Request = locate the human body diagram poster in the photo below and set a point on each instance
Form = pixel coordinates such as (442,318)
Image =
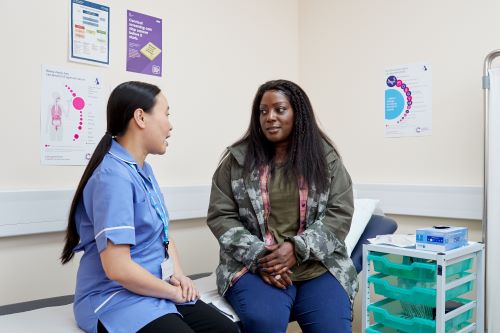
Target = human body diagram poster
(144,43)
(408,100)
(89,33)
(72,115)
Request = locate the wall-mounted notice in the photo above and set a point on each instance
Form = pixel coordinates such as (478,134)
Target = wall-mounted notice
(89,33)
(408,100)
(72,115)
(144,43)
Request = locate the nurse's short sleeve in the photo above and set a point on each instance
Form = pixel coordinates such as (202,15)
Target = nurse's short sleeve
(108,198)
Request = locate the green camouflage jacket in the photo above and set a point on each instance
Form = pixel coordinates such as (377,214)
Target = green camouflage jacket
(236,218)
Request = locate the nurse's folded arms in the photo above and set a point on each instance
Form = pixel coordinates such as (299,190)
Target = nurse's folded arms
(130,278)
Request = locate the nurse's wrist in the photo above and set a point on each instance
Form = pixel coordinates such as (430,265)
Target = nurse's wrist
(173,293)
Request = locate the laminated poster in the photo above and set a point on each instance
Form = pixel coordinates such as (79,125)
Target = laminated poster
(72,115)
(144,44)
(89,33)
(408,100)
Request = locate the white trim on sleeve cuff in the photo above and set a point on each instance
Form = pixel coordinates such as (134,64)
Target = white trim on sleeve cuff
(113,228)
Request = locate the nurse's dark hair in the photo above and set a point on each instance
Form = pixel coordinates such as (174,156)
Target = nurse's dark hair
(305,156)
(123,101)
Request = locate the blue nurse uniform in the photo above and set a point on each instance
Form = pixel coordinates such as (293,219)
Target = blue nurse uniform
(116,207)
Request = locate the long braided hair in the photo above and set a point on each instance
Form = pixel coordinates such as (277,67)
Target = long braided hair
(305,155)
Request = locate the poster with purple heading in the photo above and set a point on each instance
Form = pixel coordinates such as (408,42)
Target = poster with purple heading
(144,47)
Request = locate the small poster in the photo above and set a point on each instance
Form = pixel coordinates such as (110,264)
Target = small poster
(72,115)
(89,33)
(144,44)
(408,100)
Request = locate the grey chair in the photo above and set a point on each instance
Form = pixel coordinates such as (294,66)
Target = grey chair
(378,225)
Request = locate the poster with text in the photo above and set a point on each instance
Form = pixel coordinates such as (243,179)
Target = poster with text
(89,33)
(408,100)
(72,115)
(144,44)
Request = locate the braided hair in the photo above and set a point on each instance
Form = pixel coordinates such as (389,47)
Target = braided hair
(305,155)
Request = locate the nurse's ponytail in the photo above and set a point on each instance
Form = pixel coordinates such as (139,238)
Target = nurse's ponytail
(72,238)
(123,101)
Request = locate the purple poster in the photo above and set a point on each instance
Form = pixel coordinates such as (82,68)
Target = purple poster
(143,43)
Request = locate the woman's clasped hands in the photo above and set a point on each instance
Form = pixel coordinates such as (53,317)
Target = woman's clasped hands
(274,267)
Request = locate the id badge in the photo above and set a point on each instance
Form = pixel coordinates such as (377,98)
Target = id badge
(167,269)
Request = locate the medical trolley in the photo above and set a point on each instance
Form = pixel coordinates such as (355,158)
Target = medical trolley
(417,291)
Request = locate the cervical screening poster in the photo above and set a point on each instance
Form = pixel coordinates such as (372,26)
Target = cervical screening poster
(144,47)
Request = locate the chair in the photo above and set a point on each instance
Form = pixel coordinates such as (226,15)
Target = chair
(378,225)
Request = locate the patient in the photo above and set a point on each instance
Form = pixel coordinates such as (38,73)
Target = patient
(281,206)
(130,278)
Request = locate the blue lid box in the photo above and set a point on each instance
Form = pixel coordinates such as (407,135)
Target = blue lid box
(441,238)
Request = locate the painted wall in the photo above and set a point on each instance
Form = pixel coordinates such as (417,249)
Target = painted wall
(345,47)
(216,53)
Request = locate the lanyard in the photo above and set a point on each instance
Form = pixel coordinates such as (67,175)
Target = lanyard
(157,205)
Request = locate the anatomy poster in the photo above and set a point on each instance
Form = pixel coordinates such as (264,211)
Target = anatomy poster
(144,46)
(72,115)
(408,100)
(89,33)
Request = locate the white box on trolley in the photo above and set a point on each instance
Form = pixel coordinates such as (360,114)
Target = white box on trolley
(441,238)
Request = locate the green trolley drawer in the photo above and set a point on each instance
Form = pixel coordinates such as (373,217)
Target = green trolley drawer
(413,268)
(390,313)
(379,328)
(416,292)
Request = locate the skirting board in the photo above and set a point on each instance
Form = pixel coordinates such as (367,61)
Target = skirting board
(31,212)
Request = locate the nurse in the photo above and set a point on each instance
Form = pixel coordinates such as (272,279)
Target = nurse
(130,278)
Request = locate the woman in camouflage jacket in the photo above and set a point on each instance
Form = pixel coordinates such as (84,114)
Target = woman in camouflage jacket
(290,260)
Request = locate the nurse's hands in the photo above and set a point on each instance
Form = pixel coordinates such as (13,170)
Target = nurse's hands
(176,295)
(188,289)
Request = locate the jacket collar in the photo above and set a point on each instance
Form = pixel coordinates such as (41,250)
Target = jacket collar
(239,152)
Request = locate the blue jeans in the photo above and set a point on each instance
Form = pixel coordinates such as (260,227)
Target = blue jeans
(319,305)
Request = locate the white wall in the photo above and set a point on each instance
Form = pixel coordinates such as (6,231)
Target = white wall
(215,54)
(344,47)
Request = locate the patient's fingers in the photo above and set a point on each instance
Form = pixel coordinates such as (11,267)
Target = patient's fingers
(285,277)
(277,282)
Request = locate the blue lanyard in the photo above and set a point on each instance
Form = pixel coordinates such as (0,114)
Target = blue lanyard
(157,205)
